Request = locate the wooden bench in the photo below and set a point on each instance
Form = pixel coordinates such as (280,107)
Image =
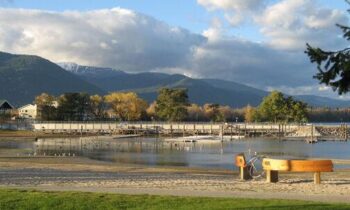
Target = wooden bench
(241,163)
(273,166)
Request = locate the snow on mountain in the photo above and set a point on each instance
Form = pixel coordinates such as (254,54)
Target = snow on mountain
(90,71)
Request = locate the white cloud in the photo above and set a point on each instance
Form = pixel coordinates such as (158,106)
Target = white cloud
(131,41)
(112,37)
(324,88)
(216,30)
(231,4)
(315,89)
(251,63)
(289,24)
(236,11)
(298,90)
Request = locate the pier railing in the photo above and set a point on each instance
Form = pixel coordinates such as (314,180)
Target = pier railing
(193,128)
(244,129)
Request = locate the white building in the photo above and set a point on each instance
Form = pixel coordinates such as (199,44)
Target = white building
(28,111)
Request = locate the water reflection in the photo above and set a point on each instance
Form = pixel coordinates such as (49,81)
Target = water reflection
(150,151)
(153,151)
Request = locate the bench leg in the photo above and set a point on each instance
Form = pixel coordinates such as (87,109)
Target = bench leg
(272,176)
(244,173)
(317,177)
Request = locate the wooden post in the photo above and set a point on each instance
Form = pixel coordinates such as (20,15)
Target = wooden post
(171,130)
(244,173)
(279,130)
(271,176)
(345,132)
(317,178)
(222,132)
(282,130)
(312,133)
(241,173)
(184,131)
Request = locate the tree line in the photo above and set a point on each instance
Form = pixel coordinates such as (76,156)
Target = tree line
(170,105)
(278,108)
(327,114)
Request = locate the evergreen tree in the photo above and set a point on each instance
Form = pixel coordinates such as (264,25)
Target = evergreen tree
(333,66)
(277,108)
(172,104)
(273,107)
(74,107)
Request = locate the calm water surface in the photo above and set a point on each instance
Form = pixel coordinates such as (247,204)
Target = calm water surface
(153,151)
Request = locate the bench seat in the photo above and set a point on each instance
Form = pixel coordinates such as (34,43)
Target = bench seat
(273,166)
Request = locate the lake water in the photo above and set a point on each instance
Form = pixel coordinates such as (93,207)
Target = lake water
(154,151)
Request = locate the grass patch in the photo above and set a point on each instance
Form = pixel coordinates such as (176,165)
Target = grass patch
(29,199)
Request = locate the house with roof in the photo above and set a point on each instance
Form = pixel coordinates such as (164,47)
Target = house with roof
(6,107)
(28,111)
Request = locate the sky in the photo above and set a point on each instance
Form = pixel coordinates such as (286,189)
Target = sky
(256,42)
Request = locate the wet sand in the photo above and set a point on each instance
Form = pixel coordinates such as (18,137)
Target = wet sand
(81,174)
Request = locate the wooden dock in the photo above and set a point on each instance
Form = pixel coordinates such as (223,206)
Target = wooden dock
(166,128)
(308,131)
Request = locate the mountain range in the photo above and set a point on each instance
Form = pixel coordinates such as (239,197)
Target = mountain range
(200,91)
(22,77)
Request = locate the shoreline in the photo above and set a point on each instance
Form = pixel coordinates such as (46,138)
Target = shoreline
(34,135)
(87,175)
(82,174)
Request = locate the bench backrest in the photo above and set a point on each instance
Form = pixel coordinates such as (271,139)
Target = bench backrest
(240,160)
(275,165)
(298,165)
(311,165)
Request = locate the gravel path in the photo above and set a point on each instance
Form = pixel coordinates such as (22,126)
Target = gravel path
(78,174)
(291,186)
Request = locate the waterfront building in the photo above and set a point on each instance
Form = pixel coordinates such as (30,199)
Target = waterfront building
(6,107)
(28,111)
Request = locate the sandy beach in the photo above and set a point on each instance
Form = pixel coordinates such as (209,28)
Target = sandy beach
(80,174)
